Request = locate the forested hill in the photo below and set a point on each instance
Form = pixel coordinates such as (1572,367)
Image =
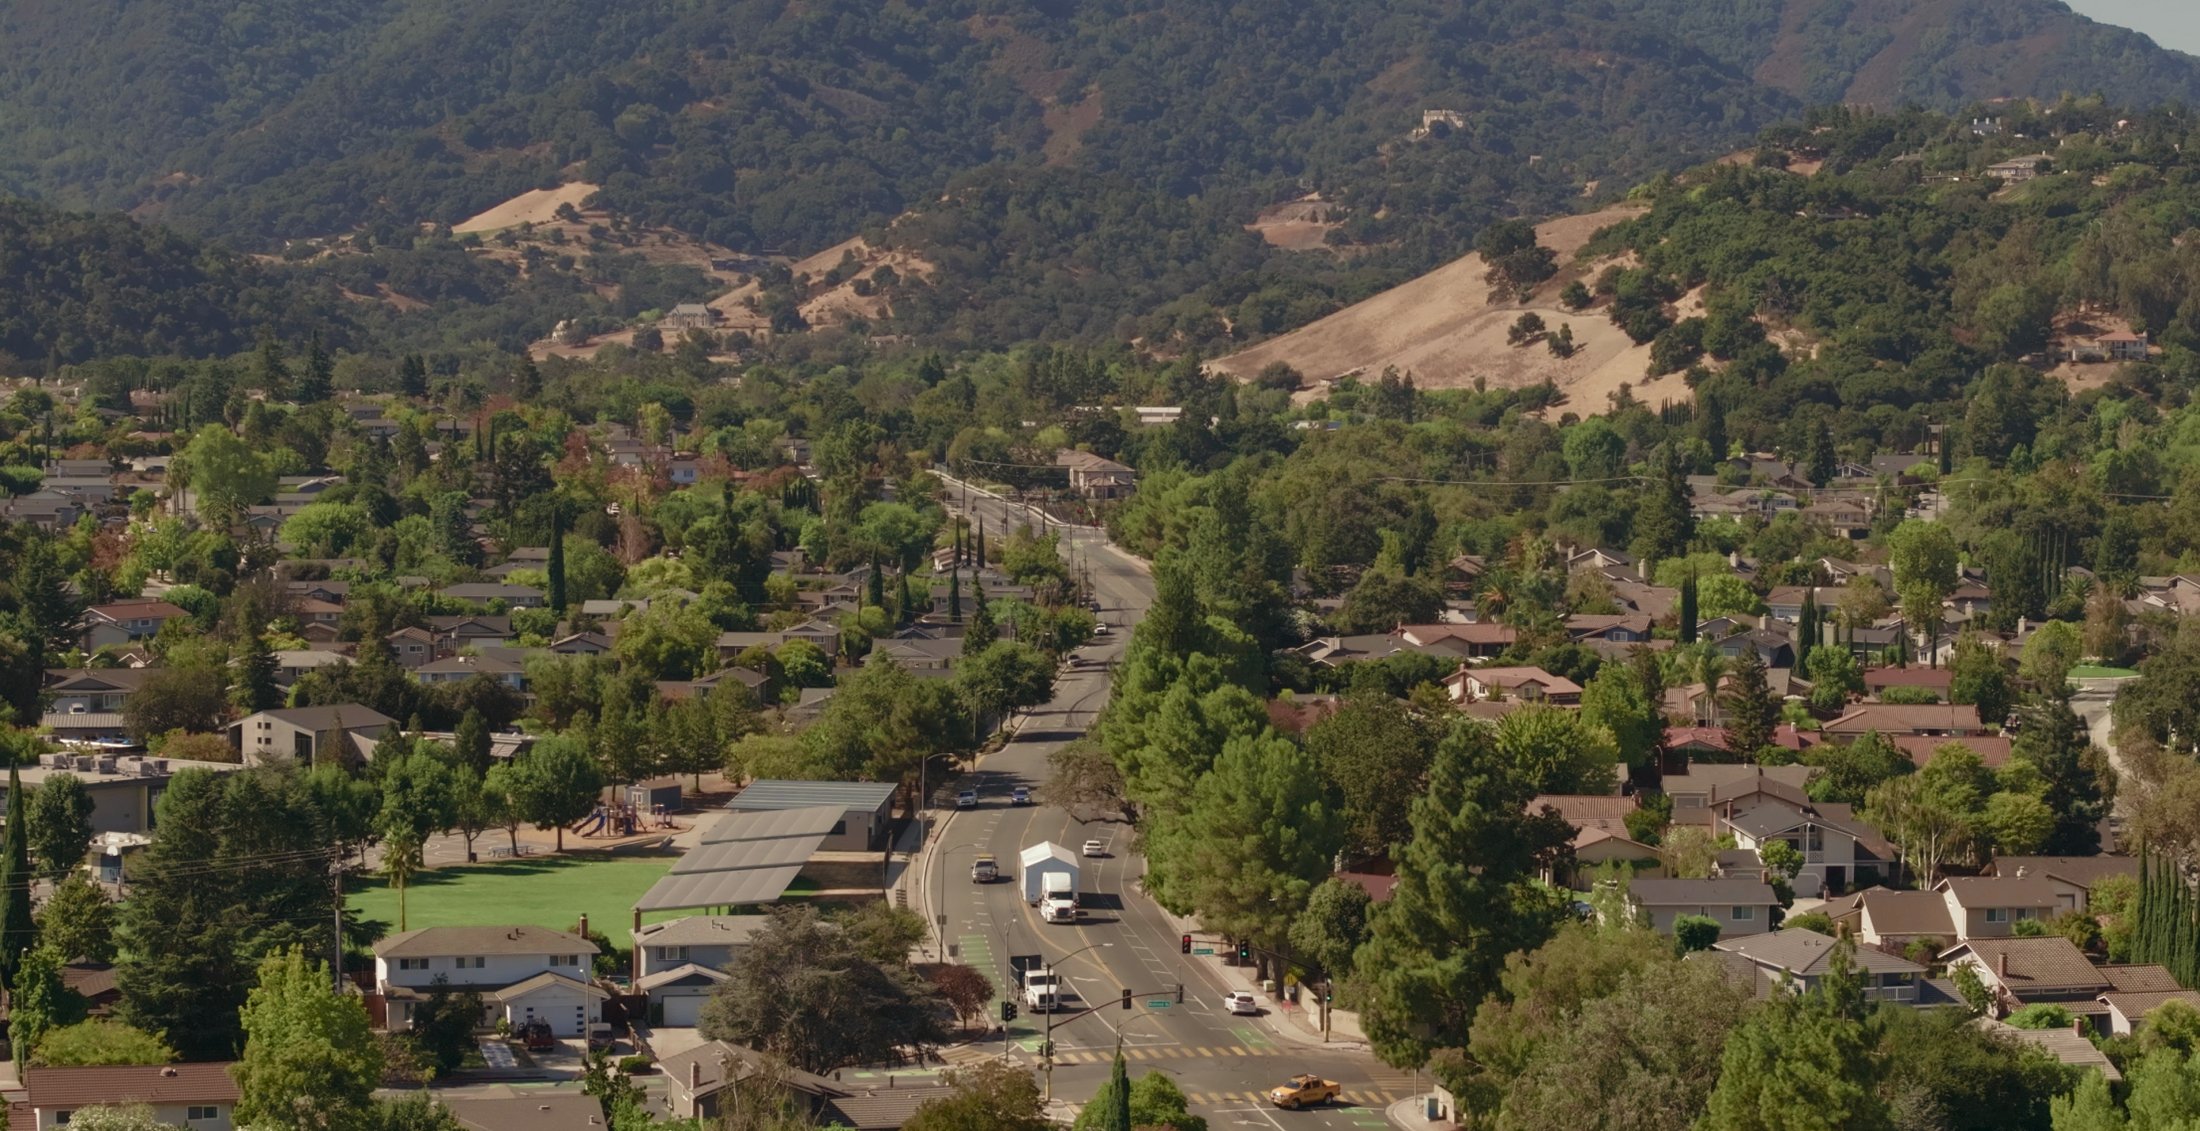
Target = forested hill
(768,123)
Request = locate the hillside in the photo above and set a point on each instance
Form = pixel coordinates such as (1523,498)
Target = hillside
(763,125)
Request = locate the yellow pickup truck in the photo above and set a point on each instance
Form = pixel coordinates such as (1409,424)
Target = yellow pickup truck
(1303,1091)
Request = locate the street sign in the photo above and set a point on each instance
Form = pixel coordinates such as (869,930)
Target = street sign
(1203,950)
(1158,1003)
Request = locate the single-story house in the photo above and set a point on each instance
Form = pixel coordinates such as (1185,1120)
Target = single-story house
(1739,906)
(1797,960)
(200,1096)
(2026,971)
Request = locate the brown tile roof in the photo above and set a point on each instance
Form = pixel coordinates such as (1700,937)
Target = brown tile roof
(1992,749)
(2063,1044)
(430,942)
(1999,891)
(1939,679)
(2085,871)
(2140,978)
(1906,912)
(2043,964)
(886,1108)
(1905,718)
(2137,1005)
(1585,808)
(537,1111)
(1806,952)
(156,1085)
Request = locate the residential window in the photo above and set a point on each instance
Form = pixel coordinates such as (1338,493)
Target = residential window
(1997,914)
(60,1117)
(672,953)
(1744,914)
(195,1114)
(565,960)
(2027,913)
(476,962)
(412,963)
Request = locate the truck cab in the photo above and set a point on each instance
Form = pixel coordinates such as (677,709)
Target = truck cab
(1059,903)
(1042,991)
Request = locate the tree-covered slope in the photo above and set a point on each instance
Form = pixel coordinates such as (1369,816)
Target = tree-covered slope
(772,123)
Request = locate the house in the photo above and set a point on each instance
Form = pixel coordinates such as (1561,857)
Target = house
(676,995)
(484,592)
(2026,971)
(2072,878)
(303,733)
(1096,477)
(1619,628)
(1739,906)
(1696,787)
(1797,960)
(1838,848)
(869,807)
(1774,648)
(88,728)
(1936,680)
(2019,169)
(411,646)
(523,974)
(582,644)
(2106,347)
(1600,834)
(1883,917)
(79,691)
(200,1096)
(1902,718)
(697,1078)
(2066,1045)
(125,622)
(457,632)
(1523,683)
(1990,907)
(49,510)
(2136,991)
(689,316)
(503,665)
(1992,749)
(705,940)
(293,664)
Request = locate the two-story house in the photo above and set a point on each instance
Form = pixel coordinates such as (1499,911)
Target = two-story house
(1990,907)
(126,622)
(1884,917)
(523,974)
(705,940)
(302,734)
(197,1097)
(1797,960)
(2028,971)
(1838,848)
(1739,906)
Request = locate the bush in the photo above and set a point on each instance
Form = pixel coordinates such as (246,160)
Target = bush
(636,1065)
(1575,296)
(1695,932)
(1910,695)
(1809,921)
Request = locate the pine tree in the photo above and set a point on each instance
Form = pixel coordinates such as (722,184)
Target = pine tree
(1752,712)
(955,592)
(875,592)
(980,548)
(981,632)
(255,688)
(471,741)
(318,382)
(412,376)
(17,932)
(557,560)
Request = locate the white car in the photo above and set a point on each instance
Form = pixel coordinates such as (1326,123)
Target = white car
(967,799)
(1095,849)
(1240,1001)
(1101,629)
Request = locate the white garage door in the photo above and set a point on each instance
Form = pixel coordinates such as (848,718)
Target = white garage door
(681,1010)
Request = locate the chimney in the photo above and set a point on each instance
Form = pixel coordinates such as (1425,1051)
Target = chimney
(2020,871)
(695,1078)
(2001,964)
(584,925)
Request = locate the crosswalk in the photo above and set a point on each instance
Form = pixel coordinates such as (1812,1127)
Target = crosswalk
(1365,1097)
(1164,1052)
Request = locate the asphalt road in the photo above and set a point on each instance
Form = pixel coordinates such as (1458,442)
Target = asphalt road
(1225,1063)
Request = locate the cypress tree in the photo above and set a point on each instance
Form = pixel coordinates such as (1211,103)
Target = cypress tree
(981,544)
(877,587)
(1687,614)
(955,590)
(16,930)
(557,560)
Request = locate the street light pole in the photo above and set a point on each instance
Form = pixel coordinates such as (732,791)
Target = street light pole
(1047,1048)
(939,895)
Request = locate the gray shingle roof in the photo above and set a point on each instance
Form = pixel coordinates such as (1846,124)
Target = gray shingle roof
(1692,893)
(432,942)
(1808,953)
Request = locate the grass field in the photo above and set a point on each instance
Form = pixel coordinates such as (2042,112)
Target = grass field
(547,891)
(2096,671)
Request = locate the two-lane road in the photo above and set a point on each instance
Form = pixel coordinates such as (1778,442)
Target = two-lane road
(1224,1062)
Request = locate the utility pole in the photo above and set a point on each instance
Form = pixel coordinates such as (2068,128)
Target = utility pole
(336,940)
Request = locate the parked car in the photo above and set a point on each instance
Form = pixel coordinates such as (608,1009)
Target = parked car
(536,1035)
(1021,795)
(1241,1001)
(1095,849)
(1303,1091)
(967,799)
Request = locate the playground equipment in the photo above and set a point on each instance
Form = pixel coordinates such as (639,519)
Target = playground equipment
(608,820)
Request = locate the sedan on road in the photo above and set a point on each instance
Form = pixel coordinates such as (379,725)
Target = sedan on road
(1303,1091)
(1021,795)
(1095,849)
(1241,1001)
(967,799)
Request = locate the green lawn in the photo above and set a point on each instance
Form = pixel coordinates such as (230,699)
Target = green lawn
(547,891)
(2095,671)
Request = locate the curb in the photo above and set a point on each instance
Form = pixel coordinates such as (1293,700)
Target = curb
(1283,1018)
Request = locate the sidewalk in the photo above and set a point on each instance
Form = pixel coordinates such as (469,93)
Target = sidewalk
(1411,1114)
(1299,1024)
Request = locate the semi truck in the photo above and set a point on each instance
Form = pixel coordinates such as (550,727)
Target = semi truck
(1042,860)
(1042,991)
(1058,898)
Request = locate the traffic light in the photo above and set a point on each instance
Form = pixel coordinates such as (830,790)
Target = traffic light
(1187,944)
(1008,1011)
(1126,997)
(1245,953)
